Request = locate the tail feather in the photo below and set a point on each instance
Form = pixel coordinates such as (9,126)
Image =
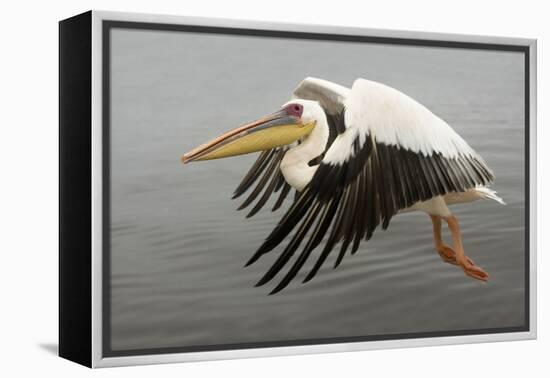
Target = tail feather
(474,194)
(488,193)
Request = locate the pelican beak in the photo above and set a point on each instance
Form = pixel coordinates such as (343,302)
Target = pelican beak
(275,130)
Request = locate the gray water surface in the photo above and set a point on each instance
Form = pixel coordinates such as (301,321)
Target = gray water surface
(178,245)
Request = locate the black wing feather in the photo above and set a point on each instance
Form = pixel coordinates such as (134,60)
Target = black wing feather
(270,190)
(272,169)
(282,196)
(254,172)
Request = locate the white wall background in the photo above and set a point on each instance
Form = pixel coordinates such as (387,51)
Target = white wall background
(28,189)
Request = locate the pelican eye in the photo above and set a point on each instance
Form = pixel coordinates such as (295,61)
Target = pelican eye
(295,110)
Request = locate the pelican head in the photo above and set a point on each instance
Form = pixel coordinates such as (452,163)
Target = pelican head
(295,120)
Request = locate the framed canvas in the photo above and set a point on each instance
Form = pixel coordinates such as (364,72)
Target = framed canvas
(386,182)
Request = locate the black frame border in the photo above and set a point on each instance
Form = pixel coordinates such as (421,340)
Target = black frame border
(108,25)
(75,189)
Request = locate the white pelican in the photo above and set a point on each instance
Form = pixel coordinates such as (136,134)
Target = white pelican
(356,158)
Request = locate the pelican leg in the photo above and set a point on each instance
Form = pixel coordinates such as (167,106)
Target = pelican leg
(467,264)
(445,251)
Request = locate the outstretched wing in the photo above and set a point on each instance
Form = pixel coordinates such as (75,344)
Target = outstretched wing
(391,154)
(265,172)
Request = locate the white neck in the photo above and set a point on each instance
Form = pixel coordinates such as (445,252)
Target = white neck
(294,165)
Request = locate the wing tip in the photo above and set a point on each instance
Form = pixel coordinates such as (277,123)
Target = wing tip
(307,279)
(276,290)
(252,213)
(265,279)
(252,260)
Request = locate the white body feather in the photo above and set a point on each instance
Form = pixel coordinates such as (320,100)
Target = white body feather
(395,119)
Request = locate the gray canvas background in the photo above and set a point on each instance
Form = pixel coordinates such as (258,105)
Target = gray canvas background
(178,244)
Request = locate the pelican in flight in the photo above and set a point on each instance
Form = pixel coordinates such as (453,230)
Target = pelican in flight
(356,158)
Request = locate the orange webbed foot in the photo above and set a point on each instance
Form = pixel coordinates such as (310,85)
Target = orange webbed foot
(474,271)
(448,255)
